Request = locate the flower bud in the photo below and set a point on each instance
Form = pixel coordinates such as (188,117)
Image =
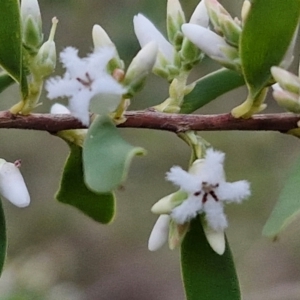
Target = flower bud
(200,16)
(286,79)
(140,67)
(12,185)
(175,19)
(215,10)
(31,24)
(166,62)
(288,100)
(45,59)
(159,233)
(100,40)
(212,45)
(230,29)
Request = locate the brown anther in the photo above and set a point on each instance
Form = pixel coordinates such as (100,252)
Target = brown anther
(197,193)
(86,83)
(17,163)
(208,190)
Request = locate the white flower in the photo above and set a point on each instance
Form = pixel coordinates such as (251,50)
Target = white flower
(207,190)
(12,185)
(84,79)
(203,190)
(146,32)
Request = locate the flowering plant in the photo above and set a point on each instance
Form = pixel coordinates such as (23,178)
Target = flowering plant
(254,50)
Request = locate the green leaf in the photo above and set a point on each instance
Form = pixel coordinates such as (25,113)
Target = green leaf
(11,59)
(5,81)
(106,156)
(207,275)
(73,191)
(210,87)
(265,38)
(3,238)
(288,205)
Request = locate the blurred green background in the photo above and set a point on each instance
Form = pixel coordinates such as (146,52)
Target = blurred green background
(55,252)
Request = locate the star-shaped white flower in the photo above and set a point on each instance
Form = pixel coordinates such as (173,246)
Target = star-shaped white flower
(84,79)
(203,191)
(207,190)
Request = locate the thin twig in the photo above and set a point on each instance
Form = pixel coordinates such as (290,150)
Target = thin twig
(281,122)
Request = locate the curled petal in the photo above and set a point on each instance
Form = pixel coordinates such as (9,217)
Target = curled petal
(159,234)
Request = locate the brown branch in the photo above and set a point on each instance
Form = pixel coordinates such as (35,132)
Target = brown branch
(282,122)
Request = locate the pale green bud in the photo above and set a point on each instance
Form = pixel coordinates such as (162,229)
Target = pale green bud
(288,100)
(101,38)
(31,24)
(140,67)
(45,60)
(286,79)
(230,29)
(175,19)
(215,10)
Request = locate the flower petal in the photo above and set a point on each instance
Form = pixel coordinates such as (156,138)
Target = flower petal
(159,234)
(233,191)
(215,238)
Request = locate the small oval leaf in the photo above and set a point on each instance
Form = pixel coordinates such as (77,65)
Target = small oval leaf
(265,38)
(288,205)
(209,87)
(207,275)
(106,156)
(73,191)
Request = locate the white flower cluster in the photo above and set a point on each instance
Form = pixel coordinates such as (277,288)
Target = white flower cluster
(206,191)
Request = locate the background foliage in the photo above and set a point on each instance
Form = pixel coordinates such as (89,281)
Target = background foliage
(56,252)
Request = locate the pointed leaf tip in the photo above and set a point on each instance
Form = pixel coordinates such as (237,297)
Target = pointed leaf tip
(288,205)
